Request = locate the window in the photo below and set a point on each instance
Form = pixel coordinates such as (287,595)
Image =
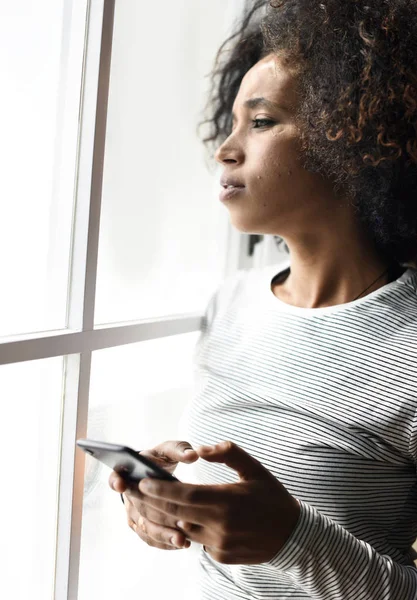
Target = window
(41,58)
(112,241)
(141,406)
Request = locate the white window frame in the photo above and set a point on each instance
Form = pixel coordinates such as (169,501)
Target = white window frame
(81,337)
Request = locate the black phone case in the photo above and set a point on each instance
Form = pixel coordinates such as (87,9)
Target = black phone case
(126,462)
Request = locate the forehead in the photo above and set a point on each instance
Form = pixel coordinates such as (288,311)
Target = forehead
(272,79)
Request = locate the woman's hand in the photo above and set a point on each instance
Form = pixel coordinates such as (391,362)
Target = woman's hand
(241,523)
(152,526)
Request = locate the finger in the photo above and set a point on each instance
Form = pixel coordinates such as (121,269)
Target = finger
(156,516)
(129,501)
(200,515)
(182,493)
(166,535)
(136,506)
(196,533)
(155,544)
(145,538)
(136,509)
(117,483)
(236,458)
(139,518)
(173,451)
(155,534)
(185,527)
(149,512)
(135,496)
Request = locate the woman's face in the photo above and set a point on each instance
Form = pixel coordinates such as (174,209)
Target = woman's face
(262,154)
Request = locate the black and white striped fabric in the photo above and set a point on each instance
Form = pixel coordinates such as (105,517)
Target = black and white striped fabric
(326,400)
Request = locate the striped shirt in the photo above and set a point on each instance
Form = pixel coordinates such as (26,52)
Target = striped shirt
(326,400)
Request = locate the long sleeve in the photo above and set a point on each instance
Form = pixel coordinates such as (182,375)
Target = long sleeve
(329,563)
(325,399)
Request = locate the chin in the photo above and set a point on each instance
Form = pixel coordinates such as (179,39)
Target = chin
(250,225)
(250,230)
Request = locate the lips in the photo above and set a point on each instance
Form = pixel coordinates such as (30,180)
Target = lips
(231,187)
(230,192)
(231,182)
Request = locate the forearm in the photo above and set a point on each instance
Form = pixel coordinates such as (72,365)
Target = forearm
(329,563)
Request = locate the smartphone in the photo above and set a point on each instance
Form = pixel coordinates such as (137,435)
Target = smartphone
(126,462)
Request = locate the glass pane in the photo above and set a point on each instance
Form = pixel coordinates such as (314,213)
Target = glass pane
(163,238)
(41,50)
(30,417)
(138,393)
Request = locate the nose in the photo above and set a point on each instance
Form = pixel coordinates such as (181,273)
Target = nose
(229,152)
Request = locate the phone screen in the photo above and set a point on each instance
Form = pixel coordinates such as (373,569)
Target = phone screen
(129,464)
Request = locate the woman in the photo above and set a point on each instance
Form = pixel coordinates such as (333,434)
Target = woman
(307,377)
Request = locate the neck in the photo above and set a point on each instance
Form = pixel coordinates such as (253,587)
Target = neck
(326,275)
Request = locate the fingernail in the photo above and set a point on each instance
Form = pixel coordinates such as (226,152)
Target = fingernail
(174,543)
(188,450)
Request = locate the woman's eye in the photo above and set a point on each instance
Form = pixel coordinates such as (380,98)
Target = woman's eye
(258,123)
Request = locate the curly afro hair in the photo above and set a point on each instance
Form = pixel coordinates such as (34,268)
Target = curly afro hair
(357,67)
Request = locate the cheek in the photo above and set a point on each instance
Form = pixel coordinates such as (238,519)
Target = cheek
(278,178)
(278,164)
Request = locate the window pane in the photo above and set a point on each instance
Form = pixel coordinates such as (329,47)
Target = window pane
(30,417)
(163,230)
(41,49)
(138,393)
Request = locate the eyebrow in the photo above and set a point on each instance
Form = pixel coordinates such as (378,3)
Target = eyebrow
(255,102)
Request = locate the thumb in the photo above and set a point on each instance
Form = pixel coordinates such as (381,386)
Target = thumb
(236,458)
(174,451)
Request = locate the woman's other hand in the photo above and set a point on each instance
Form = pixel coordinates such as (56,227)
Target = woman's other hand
(155,528)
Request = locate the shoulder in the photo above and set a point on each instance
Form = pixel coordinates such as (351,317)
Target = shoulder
(409,280)
(226,293)
(403,297)
(243,286)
